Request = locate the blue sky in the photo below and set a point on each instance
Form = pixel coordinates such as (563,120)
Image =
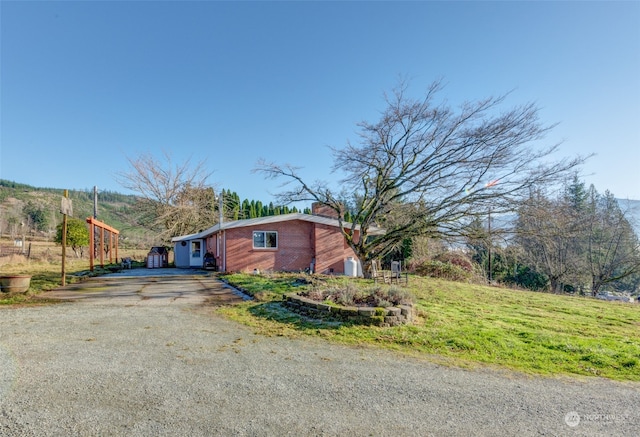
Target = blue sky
(86,84)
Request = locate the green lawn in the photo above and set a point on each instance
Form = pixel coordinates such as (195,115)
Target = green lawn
(466,325)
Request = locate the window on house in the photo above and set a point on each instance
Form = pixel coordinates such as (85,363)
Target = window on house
(195,249)
(265,240)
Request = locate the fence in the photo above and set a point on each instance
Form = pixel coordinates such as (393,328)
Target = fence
(6,250)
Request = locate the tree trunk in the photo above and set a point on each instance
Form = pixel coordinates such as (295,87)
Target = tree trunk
(366,267)
(595,286)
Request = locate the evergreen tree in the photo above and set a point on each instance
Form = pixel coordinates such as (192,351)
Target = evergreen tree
(36,216)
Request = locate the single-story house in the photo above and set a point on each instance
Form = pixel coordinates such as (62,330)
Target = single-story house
(287,242)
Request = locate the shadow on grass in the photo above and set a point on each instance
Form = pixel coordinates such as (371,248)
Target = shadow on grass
(276,312)
(40,282)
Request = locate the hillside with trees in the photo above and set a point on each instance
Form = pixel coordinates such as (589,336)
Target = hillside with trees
(33,213)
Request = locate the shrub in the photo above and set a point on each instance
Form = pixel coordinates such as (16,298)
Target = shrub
(528,278)
(349,294)
(457,259)
(444,270)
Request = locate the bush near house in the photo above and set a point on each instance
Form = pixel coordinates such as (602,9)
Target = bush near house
(338,290)
(444,270)
(349,293)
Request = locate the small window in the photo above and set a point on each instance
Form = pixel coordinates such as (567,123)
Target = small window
(265,240)
(195,249)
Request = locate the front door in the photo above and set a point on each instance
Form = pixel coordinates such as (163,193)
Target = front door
(196,255)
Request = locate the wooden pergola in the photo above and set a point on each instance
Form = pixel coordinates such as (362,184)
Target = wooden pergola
(113,234)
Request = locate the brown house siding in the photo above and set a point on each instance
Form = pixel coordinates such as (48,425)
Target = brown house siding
(294,252)
(299,244)
(331,250)
(323,210)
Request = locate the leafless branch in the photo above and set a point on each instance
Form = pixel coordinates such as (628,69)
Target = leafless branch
(436,164)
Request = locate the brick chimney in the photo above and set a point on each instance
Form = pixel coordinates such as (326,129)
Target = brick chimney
(323,210)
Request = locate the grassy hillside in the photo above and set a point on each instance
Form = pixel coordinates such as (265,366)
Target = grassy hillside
(467,325)
(113,208)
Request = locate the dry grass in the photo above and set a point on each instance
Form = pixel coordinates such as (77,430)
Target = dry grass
(45,254)
(44,264)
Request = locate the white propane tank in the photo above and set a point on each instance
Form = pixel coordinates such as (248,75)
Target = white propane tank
(351,267)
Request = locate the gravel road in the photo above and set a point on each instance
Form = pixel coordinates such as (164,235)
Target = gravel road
(153,363)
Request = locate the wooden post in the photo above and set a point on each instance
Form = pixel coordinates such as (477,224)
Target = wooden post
(92,236)
(102,247)
(110,248)
(64,242)
(102,228)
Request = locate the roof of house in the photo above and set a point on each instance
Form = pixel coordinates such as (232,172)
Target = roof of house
(271,219)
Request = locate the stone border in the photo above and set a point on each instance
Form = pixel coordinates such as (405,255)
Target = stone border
(378,316)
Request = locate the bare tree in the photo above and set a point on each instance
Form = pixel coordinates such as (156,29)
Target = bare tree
(425,168)
(175,199)
(547,232)
(580,239)
(613,248)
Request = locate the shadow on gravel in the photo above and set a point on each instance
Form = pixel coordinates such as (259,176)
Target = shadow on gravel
(222,298)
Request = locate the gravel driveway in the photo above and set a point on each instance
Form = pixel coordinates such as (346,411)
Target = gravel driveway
(155,361)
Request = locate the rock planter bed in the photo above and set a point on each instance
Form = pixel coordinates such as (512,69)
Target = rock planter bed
(363,315)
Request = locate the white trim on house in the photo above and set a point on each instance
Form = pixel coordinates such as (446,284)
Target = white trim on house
(265,240)
(196,252)
(272,219)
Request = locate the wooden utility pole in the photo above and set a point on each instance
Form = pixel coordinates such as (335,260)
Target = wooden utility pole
(489,248)
(65,210)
